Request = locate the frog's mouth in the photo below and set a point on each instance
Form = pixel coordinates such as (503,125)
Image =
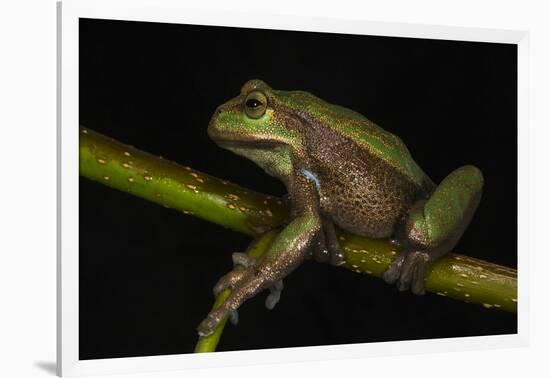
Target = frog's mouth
(244,143)
(228,139)
(237,140)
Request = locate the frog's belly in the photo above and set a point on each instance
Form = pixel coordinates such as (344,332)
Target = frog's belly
(370,206)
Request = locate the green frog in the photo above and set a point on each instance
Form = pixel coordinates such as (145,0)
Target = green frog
(340,170)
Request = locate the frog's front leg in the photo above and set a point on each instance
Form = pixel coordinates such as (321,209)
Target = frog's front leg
(433,227)
(288,251)
(327,248)
(231,279)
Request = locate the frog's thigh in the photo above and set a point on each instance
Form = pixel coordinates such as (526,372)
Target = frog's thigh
(434,226)
(447,213)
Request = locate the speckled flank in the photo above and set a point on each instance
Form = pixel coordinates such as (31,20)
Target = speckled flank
(357,189)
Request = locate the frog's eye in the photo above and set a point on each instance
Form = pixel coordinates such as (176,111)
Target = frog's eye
(255,104)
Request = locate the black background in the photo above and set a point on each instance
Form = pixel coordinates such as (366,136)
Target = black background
(146,272)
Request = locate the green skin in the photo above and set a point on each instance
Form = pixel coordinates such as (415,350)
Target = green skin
(340,169)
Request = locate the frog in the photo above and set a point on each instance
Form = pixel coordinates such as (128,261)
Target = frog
(341,171)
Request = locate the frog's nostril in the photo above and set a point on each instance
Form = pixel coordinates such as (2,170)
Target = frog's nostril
(219,111)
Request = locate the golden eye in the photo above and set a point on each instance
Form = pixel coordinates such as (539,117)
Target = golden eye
(255,104)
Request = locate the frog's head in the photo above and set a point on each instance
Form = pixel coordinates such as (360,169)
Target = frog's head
(254,119)
(261,124)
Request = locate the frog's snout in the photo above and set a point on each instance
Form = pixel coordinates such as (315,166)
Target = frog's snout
(213,126)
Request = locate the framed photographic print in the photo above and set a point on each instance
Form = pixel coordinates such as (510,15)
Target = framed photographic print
(284,189)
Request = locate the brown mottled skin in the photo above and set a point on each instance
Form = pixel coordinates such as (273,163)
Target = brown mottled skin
(339,169)
(363,195)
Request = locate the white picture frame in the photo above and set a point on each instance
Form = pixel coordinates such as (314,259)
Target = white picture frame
(166,11)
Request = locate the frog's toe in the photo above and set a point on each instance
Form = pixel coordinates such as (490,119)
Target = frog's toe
(395,243)
(243,259)
(234,317)
(272,300)
(321,255)
(413,272)
(418,285)
(320,250)
(408,271)
(394,271)
(274,295)
(336,255)
(230,280)
(207,326)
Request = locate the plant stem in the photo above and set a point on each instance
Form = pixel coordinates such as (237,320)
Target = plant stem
(178,187)
(125,168)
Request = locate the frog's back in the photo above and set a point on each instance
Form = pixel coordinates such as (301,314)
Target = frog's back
(359,130)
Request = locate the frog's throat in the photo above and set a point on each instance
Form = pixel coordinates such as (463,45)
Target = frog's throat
(274,160)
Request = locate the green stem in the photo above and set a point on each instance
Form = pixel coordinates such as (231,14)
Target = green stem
(125,168)
(178,187)
(255,250)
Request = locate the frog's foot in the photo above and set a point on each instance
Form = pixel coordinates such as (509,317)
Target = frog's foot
(232,280)
(396,243)
(319,249)
(336,254)
(409,271)
(207,326)
(249,284)
(327,248)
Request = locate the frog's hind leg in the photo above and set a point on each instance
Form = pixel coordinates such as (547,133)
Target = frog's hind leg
(434,226)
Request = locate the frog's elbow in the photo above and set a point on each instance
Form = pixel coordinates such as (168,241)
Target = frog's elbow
(311,177)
